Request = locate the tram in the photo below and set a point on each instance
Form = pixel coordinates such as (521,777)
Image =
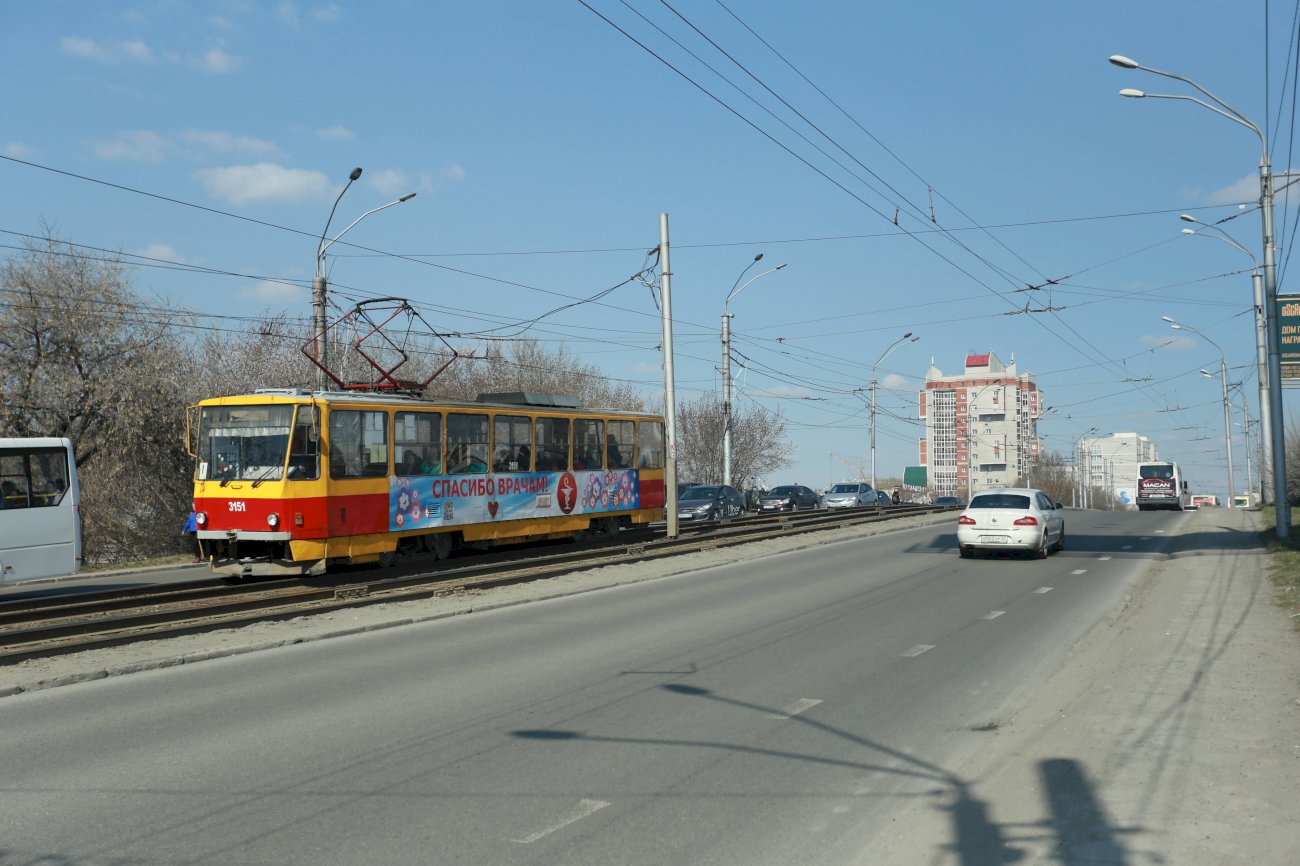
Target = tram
(290,481)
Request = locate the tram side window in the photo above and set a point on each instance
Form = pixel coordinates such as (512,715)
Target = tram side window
(512,443)
(417,443)
(467,443)
(651,440)
(620,444)
(358,444)
(304,445)
(552,444)
(588,443)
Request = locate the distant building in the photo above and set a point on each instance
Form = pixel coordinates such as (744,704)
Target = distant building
(1110,462)
(981,426)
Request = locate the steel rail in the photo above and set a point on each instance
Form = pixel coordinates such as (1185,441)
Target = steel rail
(45,627)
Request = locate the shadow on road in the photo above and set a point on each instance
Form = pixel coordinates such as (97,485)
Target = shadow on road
(1078,826)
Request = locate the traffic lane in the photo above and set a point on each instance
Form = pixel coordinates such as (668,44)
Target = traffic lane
(109,581)
(663,700)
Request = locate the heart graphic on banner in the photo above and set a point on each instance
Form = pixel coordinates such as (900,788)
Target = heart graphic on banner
(492,507)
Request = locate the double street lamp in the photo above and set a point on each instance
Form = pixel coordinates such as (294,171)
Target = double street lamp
(1261,348)
(1080,487)
(1276,428)
(736,289)
(1227,420)
(900,341)
(320,283)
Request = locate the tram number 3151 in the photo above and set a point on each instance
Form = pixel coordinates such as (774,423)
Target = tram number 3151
(236,505)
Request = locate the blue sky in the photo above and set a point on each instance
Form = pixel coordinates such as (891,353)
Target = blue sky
(543,144)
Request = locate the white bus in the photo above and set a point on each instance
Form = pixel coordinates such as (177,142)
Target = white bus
(1161,485)
(40,509)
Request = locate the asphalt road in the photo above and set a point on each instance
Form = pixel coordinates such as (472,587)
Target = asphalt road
(775,711)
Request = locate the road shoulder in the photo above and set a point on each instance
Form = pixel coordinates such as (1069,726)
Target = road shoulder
(1170,735)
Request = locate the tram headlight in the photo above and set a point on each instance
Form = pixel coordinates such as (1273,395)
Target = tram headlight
(201,518)
(273,520)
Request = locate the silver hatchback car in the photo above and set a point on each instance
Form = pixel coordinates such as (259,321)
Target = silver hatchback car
(1012,518)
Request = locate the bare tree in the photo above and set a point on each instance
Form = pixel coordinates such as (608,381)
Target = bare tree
(758,443)
(526,365)
(268,356)
(1050,474)
(81,356)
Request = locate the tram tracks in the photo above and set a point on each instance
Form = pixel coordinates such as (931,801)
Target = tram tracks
(47,626)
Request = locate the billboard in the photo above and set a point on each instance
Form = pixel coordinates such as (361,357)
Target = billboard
(1288,329)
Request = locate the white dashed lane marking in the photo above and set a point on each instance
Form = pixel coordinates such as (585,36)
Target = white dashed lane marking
(799,706)
(583,809)
(1042,589)
(917,650)
(1127,547)
(1145,538)
(1102,558)
(1079,571)
(993,614)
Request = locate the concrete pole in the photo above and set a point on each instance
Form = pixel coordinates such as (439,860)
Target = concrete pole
(726,398)
(1265,410)
(670,397)
(1277,432)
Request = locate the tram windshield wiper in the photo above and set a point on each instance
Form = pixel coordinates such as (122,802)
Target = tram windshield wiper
(266,476)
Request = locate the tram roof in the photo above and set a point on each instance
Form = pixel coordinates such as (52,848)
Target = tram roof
(562,403)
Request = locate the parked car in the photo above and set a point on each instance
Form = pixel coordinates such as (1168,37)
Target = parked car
(788,497)
(883,498)
(1012,518)
(950,502)
(849,494)
(710,502)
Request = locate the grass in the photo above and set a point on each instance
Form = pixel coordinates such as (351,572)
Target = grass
(1285,572)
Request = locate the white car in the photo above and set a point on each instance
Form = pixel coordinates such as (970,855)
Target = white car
(1012,518)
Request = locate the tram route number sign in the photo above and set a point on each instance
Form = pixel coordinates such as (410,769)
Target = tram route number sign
(1288,324)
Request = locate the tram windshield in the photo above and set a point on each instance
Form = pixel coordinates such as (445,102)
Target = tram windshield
(244,443)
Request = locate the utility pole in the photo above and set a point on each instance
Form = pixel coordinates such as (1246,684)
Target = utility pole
(670,404)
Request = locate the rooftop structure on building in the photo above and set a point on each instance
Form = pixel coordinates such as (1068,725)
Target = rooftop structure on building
(981,426)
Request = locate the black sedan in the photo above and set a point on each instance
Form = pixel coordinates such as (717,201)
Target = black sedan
(788,497)
(710,502)
(950,502)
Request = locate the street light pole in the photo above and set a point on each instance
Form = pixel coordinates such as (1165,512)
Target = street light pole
(320,283)
(1227,420)
(1261,352)
(736,289)
(1077,453)
(1277,432)
(880,361)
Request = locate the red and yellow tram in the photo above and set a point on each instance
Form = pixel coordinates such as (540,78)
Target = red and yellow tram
(289,481)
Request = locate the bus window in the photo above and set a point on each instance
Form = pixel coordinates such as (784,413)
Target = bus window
(588,444)
(512,443)
(467,443)
(40,519)
(552,444)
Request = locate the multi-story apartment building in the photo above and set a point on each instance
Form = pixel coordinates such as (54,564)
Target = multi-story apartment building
(981,426)
(1110,462)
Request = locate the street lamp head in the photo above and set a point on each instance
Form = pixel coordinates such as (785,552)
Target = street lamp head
(1167,319)
(758,258)
(908,334)
(1176,326)
(1123,62)
(1188,218)
(407,197)
(778,267)
(1207,374)
(1189,231)
(356,173)
(1130,92)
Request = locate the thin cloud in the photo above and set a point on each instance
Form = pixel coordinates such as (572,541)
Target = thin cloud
(894,381)
(141,145)
(263,183)
(272,292)
(105,51)
(218,61)
(163,252)
(389,181)
(335,133)
(18,150)
(226,142)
